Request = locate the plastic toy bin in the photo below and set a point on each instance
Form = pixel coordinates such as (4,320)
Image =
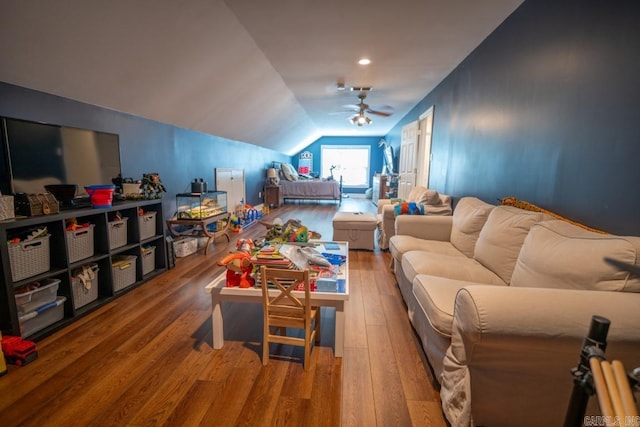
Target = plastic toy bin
(147,225)
(42,317)
(118,233)
(124,271)
(28,300)
(80,243)
(148,260)
(84,285)
(185,246)
(29,258)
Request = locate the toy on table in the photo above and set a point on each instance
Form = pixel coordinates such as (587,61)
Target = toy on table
(239,265)
(291,231)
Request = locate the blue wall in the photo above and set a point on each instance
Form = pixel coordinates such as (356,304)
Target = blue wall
(546,109)
(376,161)
(177,154)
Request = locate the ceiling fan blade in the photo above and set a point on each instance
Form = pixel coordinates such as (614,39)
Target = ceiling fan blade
(355,107)
(380,113)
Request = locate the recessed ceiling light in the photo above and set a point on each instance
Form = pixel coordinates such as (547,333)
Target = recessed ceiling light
(364,61)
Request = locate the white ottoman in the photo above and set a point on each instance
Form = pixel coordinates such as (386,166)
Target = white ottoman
(358,228)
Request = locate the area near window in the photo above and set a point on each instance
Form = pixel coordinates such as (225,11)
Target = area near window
(350,161)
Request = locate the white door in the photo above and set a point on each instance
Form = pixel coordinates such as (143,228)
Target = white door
(424,150)
(408,156)
(231,181)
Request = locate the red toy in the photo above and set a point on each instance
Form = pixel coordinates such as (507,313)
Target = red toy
(18,351)
(239,265)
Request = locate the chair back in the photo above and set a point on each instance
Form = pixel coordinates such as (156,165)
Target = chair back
(283,307)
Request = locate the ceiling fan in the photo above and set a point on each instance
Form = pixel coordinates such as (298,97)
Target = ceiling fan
(362,109)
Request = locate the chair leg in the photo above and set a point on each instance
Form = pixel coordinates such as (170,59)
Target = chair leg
(317,326)
(307,348)
(265,344)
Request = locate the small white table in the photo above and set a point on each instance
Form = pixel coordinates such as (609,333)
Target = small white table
(339,300)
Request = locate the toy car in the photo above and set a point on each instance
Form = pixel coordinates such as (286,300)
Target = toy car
(17,351)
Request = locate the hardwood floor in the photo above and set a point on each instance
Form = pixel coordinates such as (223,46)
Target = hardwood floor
(146,358)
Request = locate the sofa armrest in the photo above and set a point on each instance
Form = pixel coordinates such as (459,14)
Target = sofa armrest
(488,314)
(382,203)
(426,227)
(527,338)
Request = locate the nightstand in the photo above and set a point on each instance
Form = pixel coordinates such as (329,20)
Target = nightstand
(273,195)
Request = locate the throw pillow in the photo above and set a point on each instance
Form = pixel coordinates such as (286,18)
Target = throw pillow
(408,208)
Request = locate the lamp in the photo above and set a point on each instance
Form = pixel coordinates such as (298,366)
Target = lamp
(272,176)
(360,119)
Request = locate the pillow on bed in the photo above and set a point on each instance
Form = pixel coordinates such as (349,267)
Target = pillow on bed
(289,172)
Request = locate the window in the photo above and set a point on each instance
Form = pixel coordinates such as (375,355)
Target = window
(350,161)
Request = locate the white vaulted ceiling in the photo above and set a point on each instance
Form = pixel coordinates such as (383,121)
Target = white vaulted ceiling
(258,71)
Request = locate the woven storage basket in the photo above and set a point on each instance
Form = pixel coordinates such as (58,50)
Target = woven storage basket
(118,233)
(29,258)
(185,246)
(7,210)
(147,225)
(84,284)
(148,260)
(80,243)
(124,272)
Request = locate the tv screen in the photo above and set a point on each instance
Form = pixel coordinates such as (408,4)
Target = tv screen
(38,154)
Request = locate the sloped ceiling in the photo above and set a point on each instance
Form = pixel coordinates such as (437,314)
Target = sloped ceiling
(258,71)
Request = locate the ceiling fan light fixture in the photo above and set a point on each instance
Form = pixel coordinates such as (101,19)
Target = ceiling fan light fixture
(368,120)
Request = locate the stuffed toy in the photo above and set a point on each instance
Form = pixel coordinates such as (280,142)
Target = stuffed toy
(239,265)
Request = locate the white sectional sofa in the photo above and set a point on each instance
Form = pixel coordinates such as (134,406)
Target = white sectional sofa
(433,204)
(502,298)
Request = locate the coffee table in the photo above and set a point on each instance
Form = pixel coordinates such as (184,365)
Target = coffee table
(338,300)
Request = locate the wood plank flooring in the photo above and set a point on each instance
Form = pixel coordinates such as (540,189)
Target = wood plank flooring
(146,359)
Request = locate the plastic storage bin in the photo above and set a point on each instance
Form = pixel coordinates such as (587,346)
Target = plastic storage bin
(147,225)
(124,271)
(42,317)
(29,258)
(118,233)
(101,196)
(27,301)
(84,285)
(148,259)
(80,243)
(185,246)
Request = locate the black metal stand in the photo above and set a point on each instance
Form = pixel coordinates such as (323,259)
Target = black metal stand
(594,345)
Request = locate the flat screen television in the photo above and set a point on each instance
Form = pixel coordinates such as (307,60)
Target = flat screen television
(39,154)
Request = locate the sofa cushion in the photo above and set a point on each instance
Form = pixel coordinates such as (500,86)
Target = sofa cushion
(400,245)
(557,254)
(453,267)
(425,196)
(436,297)
(469,217)
(502,236)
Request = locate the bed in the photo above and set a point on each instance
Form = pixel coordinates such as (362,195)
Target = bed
(296,187)
(311,190)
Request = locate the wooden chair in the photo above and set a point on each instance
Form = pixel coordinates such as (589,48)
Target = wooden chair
(285,310)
